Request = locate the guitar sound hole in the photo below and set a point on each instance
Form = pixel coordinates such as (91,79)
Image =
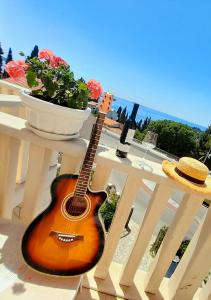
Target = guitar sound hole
(76,206)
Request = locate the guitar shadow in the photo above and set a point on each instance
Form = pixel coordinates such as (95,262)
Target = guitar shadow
(17,276)
(18,279)
(111,286)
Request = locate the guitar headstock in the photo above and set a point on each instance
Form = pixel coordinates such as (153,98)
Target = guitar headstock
(105,105)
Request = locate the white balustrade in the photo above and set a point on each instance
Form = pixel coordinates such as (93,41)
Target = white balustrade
(174,236)
(196,262)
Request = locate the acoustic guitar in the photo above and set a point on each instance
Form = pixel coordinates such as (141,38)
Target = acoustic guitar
(67,238)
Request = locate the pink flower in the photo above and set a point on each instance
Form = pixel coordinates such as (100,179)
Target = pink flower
(16,69)
(45,54)
(56,61)
(22,64)
(94,88)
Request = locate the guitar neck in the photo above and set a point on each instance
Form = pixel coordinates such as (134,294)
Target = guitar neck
(83,179)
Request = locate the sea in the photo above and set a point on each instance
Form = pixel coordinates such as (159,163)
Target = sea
(154,114)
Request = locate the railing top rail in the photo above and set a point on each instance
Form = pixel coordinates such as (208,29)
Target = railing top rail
(155,172)
(10,100)
(16,127)
(11,86)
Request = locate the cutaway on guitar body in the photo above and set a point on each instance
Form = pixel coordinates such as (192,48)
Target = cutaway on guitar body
(58,245)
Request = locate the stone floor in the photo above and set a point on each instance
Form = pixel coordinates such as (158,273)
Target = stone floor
(125,245)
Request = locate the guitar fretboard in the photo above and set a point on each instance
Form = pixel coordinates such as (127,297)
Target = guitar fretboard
(86,169)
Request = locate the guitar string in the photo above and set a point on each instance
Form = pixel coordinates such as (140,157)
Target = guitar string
(72,206)
(89,157)
(82,184)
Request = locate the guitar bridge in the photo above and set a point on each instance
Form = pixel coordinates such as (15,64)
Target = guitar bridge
(66,237)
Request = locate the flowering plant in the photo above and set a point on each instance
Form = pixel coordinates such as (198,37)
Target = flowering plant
(51,80)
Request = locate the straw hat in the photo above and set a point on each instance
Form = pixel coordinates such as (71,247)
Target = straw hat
(189,172)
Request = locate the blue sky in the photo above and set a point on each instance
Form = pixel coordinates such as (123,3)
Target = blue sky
(157,53)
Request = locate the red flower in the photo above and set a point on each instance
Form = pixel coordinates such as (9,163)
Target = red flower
(45,54)
(56,61)
(94,88)
(16,69)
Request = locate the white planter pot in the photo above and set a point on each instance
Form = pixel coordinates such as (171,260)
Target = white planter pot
(53,121)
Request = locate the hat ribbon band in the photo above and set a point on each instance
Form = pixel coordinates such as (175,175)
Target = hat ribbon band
(192,179)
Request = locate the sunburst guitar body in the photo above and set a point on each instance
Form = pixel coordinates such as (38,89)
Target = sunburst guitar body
(67,239)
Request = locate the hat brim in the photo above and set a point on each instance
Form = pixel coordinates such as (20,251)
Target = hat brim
(169,169)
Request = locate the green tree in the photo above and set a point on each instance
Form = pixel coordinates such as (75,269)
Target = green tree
(139,135)
(208,130)
(122,118)
(176,138)
(34,52)
(143,124)
(139,124)
(9,55)
(8,59)
(203,146)
(119,110)
(1,60)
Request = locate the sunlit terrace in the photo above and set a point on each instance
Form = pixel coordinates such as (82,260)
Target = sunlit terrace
(29,163)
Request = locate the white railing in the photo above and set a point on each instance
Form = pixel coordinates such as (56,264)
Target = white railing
(196,262)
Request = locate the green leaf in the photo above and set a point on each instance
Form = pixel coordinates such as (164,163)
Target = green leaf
(82,86)
(37,92)
(49,85)
(31,78)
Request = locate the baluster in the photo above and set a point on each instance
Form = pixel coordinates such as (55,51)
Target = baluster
(22,162)
(70,164)
(54,159)
(9,148)
(174,236)
(11,110)
(120,218)
(23,153)
(38,168)
(205,293)
(101,176)
(194,265)
(158,202)
(4,90)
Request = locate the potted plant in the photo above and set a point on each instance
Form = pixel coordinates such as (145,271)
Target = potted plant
(57,104)
(107,210)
